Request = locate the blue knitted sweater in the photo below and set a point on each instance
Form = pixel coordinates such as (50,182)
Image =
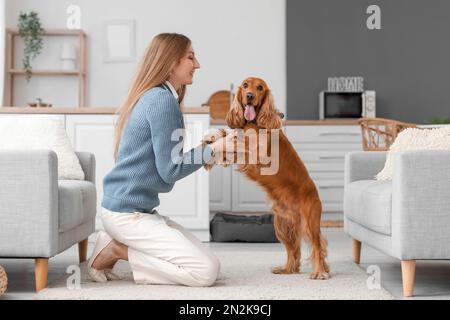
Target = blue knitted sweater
(146,163)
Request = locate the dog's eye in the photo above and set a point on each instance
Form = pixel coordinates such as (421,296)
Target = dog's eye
(245,85)
(260,88)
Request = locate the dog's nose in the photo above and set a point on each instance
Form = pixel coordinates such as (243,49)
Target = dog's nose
(249,97)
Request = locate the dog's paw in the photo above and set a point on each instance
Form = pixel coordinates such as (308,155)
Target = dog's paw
(208,167)
(284,270)
(209,138)
(319,275)
(212,137)
(222,132)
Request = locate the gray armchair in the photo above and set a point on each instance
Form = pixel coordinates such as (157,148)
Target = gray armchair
(407,218)
(41,216)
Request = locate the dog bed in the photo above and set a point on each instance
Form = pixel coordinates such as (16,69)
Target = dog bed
(242,228)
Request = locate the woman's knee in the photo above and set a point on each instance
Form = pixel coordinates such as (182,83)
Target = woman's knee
(209,273)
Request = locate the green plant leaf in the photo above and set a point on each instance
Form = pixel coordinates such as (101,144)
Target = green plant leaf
(30,30)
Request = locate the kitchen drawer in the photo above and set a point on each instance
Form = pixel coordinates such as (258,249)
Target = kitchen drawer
(323,133)
(332,207)
(324,167)
(331,193)
(323,159)
(301,147)
(326,156)
(337,175)
(330,190)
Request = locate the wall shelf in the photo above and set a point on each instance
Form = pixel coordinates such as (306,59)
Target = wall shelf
(48,72)
(11,71)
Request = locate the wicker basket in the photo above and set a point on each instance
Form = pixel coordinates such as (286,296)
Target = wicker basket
(3,281)
(378,133)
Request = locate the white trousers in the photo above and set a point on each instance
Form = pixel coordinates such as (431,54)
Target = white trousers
(160,251)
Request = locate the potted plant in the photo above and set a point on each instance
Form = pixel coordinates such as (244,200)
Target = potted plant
(30,30)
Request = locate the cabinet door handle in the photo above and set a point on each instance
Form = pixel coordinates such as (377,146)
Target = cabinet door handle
(353,134)
(329,187)
(331,157)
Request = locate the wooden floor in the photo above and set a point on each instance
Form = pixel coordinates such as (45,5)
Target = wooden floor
(432,279)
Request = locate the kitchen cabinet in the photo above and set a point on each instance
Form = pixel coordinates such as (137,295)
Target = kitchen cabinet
(321,147)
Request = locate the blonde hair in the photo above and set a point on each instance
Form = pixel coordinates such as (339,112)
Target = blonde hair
(163,53)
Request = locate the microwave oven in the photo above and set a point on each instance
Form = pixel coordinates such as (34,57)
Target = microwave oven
(335,105)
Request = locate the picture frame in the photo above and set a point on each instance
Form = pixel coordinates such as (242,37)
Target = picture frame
(120,42)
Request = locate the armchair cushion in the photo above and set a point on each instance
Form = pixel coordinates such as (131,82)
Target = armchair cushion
(77,203)
(369,203)
(44,132)
(414,139)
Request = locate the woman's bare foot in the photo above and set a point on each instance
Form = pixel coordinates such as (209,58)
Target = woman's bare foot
(108,257)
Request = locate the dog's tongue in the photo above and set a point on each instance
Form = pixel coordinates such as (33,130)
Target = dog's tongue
(249,113)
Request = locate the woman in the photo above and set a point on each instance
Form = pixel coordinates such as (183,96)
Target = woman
(159,250)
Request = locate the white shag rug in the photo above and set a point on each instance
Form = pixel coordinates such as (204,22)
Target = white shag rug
(415,139)
(245,274)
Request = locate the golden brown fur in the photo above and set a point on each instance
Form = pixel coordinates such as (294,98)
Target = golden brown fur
(296,204)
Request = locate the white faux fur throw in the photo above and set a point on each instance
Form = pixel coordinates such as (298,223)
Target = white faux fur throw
(30,132)
(415,139)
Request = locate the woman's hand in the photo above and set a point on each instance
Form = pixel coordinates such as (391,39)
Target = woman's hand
(228,149)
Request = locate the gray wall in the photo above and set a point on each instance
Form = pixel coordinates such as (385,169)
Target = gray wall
(407,62)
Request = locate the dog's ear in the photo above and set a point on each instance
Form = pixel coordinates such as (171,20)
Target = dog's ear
(268,117)
(235,116)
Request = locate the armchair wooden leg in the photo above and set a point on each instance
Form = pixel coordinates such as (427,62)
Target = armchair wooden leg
(408,271)
(40,271)
(356,250)
(82,250)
